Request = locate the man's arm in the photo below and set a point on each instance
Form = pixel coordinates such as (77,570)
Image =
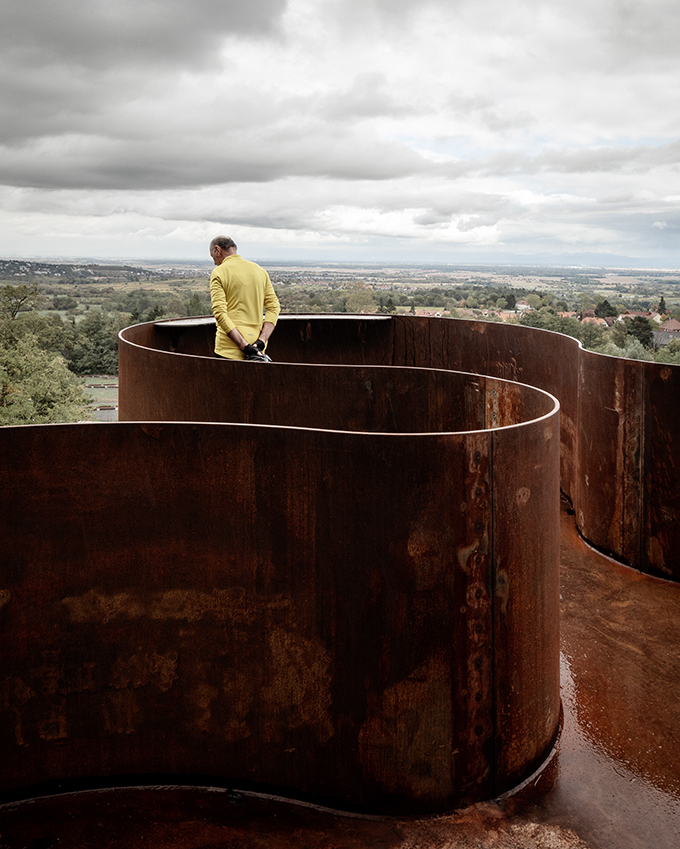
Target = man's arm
(266,332)
(218,302)
(272,306)
(236,336)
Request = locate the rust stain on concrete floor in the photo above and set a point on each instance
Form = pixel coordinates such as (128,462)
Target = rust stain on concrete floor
(613,781)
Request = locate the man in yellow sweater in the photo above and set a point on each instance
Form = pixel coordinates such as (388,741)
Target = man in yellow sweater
(244,303)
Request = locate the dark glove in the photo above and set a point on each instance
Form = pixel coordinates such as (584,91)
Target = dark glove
(259,344)
(254,355)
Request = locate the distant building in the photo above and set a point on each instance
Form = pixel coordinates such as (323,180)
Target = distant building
(593,319)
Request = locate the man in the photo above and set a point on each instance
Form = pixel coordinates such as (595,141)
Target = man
(241,293)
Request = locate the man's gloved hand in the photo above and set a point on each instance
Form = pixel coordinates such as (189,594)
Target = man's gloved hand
(254,355)
(259,344)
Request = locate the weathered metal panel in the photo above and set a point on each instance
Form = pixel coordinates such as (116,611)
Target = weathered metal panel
(474,746)
(305,608)
(611,416)
(660,505)
(526,587)
(384,399)
(332,339)
(253,604)
(613,463)
(527,355)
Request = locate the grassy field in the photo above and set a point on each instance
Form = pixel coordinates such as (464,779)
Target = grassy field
(103,389)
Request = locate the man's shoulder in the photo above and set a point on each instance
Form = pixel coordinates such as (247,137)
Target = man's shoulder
(235,266)
(229,262)
(247,265)
(243,261)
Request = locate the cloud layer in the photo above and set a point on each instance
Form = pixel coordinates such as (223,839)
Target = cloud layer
(341,129)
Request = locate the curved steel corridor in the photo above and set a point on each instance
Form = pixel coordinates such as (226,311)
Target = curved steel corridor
(397,616)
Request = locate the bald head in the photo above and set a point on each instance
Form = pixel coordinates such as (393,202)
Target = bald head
(221,247)
(223,242)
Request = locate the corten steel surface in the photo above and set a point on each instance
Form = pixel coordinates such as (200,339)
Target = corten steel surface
(620,430)
(346,611)
(613,781)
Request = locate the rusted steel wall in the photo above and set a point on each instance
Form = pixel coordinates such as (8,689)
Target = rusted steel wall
(537,357)
(609,501)
(620,451)
(661,471)
(628,501)
(159,386)
(316,610)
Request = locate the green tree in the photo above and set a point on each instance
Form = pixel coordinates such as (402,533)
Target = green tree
(386,306)
(138,305)
(361,300)
(592,335)
(604,308)
(549,320)
(619,334)
(669,354)
(196,306)
(95,349)
(36,386)
(64,302)
(174,307)
(643,330)
(14,299)
(585,302)
(50,331)
(633,350)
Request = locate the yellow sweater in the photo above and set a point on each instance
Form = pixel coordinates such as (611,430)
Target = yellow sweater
(240,292)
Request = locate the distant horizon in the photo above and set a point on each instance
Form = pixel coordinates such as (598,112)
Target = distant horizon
(566,262)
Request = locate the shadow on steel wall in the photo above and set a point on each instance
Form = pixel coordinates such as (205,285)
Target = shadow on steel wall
(337,580)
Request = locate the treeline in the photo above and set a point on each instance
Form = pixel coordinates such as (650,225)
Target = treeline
(357,296)
(18,270)
(632,338)
(47,343)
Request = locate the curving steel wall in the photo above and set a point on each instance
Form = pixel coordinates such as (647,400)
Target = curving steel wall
(620,428)
(337,581)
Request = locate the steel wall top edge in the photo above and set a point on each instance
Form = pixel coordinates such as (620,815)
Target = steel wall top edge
(552,404)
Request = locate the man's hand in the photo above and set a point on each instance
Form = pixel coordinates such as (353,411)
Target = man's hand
(254,355)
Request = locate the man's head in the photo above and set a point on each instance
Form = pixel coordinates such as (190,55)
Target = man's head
(221,247)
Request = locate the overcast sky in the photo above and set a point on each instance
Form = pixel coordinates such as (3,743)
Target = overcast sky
(400,130)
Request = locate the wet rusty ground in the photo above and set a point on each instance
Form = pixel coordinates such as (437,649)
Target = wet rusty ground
(612,783)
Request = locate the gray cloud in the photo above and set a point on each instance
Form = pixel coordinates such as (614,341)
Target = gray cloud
(97,33)
(65,65)
(101,162)
(367,96)
(461,123)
